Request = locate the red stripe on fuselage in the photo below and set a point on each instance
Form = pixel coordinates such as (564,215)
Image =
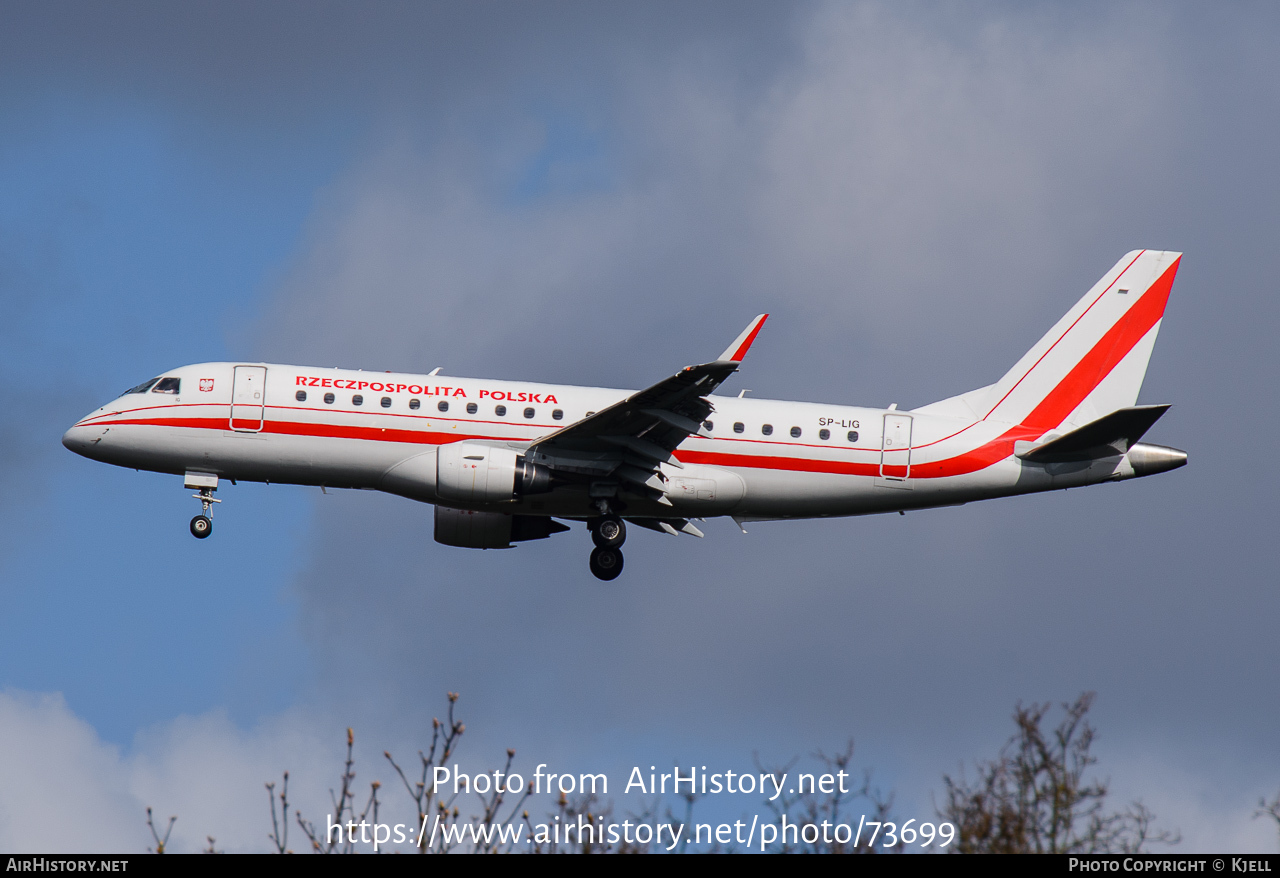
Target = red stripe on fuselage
(308,428)
(790,464)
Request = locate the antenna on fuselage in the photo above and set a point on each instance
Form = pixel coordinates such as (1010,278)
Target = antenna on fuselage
(435,371)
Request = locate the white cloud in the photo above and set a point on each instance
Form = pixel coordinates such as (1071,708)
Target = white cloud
(1210,800)
(65,790)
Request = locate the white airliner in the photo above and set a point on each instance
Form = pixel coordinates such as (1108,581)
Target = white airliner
(502,460)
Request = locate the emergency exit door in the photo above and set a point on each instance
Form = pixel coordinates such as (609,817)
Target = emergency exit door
(895,448)
(248,396)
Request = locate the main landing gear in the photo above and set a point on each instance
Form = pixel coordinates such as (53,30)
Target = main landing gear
(608,533)
(207,483)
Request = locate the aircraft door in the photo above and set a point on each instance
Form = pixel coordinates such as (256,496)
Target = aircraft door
(248,396)
(895,448)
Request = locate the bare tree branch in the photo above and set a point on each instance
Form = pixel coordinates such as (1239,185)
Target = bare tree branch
(1034,797)
(280,837)
(161,843)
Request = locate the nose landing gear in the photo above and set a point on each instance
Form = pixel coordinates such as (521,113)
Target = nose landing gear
(207,483)
(608,533)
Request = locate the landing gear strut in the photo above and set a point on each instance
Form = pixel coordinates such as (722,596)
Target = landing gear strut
(202,524)
(608,532)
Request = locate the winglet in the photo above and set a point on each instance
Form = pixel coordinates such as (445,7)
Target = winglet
(736,351)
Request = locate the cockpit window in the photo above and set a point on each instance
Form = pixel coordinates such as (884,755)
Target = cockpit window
(167,385)
(141,388)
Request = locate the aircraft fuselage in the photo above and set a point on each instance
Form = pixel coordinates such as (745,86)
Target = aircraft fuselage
(793,472)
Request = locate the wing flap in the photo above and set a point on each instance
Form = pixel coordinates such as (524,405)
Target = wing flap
(673,526)
(680,422)
(646,478)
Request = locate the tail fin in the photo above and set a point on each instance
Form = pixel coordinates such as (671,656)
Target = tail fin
(1094,359)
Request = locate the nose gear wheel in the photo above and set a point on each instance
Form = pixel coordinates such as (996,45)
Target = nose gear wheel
(201,527)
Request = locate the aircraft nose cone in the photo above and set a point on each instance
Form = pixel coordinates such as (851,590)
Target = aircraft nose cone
(78,439)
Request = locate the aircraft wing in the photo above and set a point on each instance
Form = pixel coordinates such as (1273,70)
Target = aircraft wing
(630,438)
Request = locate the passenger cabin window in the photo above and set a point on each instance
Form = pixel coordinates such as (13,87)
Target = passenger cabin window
(795,432)
(167,385)
(357,400)
(824,434)
(767,429)
(385,402)
(738,427)
(529,413)
(500,411)
(853,435)
(472,408)
(557,414)
(328,399)
(141,388)
(415,404)
(300,396)
(443,405)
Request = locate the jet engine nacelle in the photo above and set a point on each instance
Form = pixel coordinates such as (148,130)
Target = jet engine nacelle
(471,472)
(490,530)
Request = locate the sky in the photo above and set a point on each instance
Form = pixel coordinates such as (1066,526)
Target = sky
(600,194)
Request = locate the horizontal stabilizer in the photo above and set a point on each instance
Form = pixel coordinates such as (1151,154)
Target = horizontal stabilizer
(1110,435)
